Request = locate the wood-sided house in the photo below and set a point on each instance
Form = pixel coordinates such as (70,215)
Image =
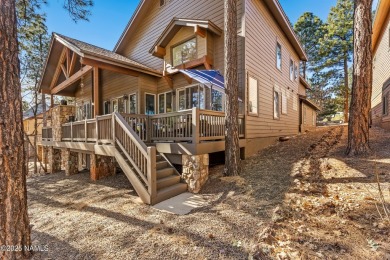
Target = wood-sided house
(381,71)
(157,99)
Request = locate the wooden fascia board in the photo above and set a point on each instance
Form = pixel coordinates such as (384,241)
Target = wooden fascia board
(108,66)
(120,65)
(46,62)
(200,31)
(71,80)
(69,45)
(380,24)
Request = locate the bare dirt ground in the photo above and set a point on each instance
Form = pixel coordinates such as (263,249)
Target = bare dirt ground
(301,199)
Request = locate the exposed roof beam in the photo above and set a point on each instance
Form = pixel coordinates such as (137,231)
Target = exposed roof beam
(71,80)
(58,68)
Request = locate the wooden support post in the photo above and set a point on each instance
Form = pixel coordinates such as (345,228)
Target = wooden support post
(71,131)
(97,130)
(195,125)
(51,101)
(152,177)
(113,128)
(86,130)
(96,91)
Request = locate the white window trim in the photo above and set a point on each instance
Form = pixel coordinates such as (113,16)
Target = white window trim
(136,102)
(155,102)
(281,56)
(256,113)
(273,104)
(183,88)
(117,98)
(165,101)
(291,69)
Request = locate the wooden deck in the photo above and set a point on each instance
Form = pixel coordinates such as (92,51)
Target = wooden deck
(192,131)
(125,137)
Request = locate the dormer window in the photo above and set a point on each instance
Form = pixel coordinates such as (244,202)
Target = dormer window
(184,52)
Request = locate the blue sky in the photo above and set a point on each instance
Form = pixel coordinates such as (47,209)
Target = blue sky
(109,18)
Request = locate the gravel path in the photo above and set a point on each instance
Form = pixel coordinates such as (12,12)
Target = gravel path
(80,219)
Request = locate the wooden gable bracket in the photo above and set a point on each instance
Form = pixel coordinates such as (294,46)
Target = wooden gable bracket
(72,79)
(189,80)
(169,81)
(72,64)
(159,52)
(58,70)
(207,62)
(200,31)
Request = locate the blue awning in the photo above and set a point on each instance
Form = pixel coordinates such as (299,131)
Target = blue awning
(210,78)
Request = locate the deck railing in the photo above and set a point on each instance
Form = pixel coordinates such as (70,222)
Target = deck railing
(193,125)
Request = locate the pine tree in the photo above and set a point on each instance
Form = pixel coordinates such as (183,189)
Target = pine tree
(358,128)
(232,151)
(337,46)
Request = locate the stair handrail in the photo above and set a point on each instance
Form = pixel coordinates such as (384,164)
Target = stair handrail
(148,152)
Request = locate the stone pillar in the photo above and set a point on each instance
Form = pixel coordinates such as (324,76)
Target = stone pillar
(195,171)
(71,162)
(59,116)
(81,162)
(101,166)
(54,160)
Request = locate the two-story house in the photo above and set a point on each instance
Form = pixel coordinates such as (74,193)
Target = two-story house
(157,100)
(381,71)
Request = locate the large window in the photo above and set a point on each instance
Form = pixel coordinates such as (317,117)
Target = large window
(279,56)
(133,104)
(217,100)
(276,105)
(252,96)
(150,104)
(165,103)
(193,96)
(184,52)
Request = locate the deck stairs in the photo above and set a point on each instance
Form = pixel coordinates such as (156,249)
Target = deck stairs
(151,174)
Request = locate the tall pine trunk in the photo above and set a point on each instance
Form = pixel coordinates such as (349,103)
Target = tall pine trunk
(346,89)
(14,222)
(358,129)
(232,150)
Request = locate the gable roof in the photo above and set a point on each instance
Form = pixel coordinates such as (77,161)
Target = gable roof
(382,17)
(86,50)
(273,5)
(177,23)
(30,112)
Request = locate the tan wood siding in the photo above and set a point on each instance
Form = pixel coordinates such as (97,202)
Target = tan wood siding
(302,90)
(156,20)
(381,73)
(148,84)
(86,94)
(262,34)
(309,118)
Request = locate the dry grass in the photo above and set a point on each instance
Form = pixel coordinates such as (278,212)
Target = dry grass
(299,199)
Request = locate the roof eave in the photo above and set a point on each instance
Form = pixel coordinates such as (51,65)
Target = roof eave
(284,23)
(382,16)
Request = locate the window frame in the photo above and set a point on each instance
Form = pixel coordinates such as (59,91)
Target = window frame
(147,93)
(117,99)
(165,102)
(136,103)
(385,105)
(256,113)
(194,37)
(186,87)
(276,109)
(105,112)
(291,70)
(279,47)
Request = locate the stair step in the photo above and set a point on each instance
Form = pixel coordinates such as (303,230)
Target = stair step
(162,164)
(159,158)
(162,173)
(167,181)
(170,192)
